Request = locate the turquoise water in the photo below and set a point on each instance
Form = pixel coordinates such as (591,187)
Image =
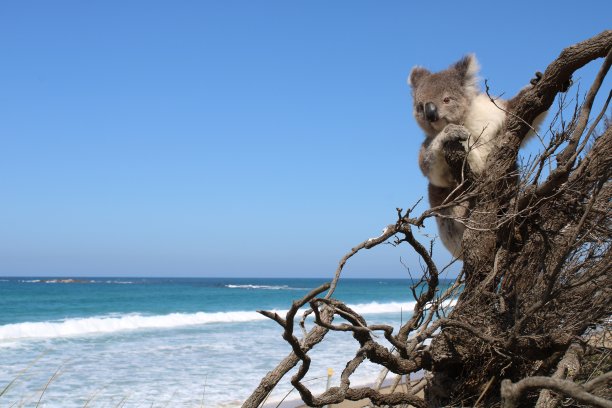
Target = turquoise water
(164,342)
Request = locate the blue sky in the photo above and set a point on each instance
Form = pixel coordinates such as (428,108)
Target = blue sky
(234,138)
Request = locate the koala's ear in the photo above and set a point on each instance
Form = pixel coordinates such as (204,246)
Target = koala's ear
(416,75)
(467,68)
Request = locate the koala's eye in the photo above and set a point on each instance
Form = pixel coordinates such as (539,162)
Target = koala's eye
(419,107)
(446,100)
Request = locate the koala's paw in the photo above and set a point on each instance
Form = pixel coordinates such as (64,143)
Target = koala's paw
(452,137)
(563,88)
(452,133)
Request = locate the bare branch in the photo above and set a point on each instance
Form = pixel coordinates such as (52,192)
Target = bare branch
(512,393)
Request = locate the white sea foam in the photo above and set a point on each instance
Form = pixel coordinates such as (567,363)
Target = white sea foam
(392,307)
(72,280)
(265,287)
(112,324)
(256,287)
(375,307)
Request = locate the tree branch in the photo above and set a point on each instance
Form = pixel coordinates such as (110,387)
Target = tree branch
(512,393)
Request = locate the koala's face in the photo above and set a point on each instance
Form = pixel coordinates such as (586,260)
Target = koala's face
(444,97)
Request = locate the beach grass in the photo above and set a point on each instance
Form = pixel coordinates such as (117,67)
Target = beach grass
(53,377)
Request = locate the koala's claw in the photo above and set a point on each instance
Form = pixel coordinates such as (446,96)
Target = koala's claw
(538,77)
(566,85)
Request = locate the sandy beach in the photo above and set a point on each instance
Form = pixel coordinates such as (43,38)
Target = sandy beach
(298,403)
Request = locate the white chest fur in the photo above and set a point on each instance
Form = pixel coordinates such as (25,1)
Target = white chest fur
(484,122)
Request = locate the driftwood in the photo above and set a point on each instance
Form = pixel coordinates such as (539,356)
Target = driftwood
(535,281)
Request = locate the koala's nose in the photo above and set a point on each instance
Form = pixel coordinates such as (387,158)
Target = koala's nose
(431,112)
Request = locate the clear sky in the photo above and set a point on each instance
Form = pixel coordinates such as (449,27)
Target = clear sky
(234,138)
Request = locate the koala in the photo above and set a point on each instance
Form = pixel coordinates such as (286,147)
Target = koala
(449,107)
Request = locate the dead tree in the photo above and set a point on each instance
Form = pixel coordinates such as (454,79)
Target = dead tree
(535,288)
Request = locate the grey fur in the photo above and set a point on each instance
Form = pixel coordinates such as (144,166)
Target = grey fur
(449,106)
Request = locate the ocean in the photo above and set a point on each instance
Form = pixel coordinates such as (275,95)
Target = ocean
(152,342)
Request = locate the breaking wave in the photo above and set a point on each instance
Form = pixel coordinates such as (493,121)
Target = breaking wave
(265,287)
(114,323)
(380,308)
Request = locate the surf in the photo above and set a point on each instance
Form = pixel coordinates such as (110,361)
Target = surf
(113,324)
